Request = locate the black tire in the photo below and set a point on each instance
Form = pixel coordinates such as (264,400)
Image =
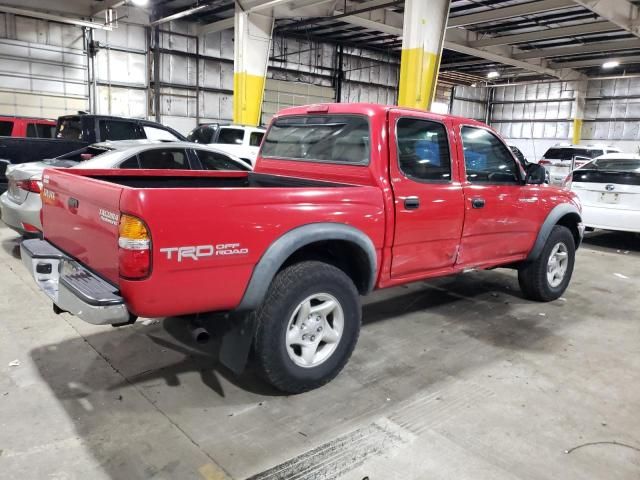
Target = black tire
(532,276)
(287,291)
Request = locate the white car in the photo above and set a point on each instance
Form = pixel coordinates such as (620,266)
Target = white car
(243,142)
(21,203)
(609,189)
(557,160)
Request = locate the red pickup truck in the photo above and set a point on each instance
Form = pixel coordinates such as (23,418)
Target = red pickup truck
(344,199)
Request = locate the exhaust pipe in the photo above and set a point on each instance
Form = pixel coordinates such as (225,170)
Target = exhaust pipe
(198,332)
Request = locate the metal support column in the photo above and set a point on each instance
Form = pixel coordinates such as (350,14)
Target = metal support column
(423,33)
(156,73)
(253,31)
(578,111)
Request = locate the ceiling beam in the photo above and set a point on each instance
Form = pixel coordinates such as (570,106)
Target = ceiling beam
(573,30)
(216,26)
(54,18)
(622,13)
(594,62)
(595,47)
(520,10)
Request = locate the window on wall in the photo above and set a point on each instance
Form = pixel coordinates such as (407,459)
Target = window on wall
(486,158)
(423,150)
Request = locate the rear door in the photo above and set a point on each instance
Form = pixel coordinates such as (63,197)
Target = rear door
(429,202)
(81,218)
(498,225)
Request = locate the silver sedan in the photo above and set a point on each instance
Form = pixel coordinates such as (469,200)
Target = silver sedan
(21,203)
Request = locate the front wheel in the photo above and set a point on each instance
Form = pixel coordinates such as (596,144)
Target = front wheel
(546,278)
(307,326)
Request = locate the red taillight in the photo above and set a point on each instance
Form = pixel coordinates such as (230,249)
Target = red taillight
(134,248)
(30,185)
(30,228)
(544,162)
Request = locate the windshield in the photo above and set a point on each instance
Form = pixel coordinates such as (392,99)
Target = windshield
(616,164)
(69,128)
(568,153)
(319,138)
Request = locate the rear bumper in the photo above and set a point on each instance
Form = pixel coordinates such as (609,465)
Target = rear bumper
(71,286)
(609,218)
(15,215)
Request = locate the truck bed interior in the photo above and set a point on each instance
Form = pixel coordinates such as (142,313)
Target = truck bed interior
(252,180)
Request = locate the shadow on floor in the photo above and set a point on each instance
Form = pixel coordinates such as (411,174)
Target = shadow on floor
(605,241)
(480,314)
(12,246)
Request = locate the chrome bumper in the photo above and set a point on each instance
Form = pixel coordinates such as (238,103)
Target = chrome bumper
(71,286)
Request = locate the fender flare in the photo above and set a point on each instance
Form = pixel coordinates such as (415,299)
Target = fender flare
(282,248)
(551,221)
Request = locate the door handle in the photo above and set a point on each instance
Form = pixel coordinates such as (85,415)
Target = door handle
(73,204)
(477,202)
(411,203)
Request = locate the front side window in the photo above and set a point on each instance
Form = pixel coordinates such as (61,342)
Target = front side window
(217,161)
(6,128)
(160,158)
(155,133)
(255,139)
(231,136)
(319,138)
(118,130)
(487,159)
(423,150)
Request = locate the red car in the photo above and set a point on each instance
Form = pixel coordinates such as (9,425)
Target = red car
(27,127)
(344,199)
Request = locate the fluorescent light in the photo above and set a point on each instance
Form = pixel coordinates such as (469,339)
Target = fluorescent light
(474,85)
(611,64)
(493,74)
(139,3)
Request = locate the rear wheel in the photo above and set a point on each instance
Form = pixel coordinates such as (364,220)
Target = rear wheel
(546,278)
(308,326)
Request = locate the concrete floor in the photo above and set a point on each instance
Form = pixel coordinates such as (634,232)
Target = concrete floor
(458,378)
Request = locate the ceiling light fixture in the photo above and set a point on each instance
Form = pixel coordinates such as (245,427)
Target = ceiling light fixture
(610,64)
(139,3)
(493,74)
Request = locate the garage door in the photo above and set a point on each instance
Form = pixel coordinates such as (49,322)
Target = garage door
(279,94)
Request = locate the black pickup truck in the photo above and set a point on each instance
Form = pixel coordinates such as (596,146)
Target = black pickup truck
(77,131)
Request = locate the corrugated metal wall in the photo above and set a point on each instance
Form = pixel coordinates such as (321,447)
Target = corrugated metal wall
(469,102)
(612,111)
(43,68)
(369,77)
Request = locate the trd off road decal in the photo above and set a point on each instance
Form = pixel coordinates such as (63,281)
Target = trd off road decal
(109,217)
(197,252)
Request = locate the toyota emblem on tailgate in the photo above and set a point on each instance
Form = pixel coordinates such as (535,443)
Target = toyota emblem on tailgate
(610,188)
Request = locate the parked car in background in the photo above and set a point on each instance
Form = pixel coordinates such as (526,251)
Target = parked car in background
(76,131)
(27,127)
(558,160)
(21,204)
(345,198)
(609,189)
(241,141)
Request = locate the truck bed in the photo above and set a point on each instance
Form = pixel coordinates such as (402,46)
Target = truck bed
(184,209)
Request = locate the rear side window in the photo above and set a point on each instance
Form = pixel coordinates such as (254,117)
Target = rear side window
(231,136)
(423,150)
(487,159)
(70,128)
(155,133)
(319,138)
(118,130)
(556,153)
(130,163)
(201,135)
(170,159)
(39,130)
(255,139)
(6,128)
(217,161)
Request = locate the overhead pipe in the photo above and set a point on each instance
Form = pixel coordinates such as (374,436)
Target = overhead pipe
(54,18)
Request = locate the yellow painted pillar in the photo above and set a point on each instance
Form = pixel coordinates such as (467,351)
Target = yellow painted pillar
(578,111)
(425,23)
(252,43)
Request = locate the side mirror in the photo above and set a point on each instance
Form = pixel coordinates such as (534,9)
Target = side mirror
(536,174)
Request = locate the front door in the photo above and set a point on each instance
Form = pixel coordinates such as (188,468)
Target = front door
(429,202)
(499,225)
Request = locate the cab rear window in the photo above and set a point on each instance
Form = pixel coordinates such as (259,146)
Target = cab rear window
(319,138)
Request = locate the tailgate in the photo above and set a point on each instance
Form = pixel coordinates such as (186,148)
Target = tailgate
(80,217)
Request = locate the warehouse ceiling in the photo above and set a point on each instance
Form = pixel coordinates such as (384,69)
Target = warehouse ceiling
(518,39)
